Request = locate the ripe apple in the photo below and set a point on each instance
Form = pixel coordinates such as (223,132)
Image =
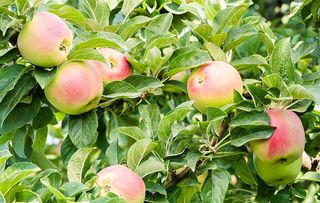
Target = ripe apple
(287,141)
(116,68)
(45,40)
(212,85)
(277,173)
(123,182)
(75,88)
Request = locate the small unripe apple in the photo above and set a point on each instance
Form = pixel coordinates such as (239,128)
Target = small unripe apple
(212,85)
(277,173)
(116,67)
(123,182)
(46,40)
(286,144)
(75,88)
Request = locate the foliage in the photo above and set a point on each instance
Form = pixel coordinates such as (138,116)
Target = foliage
(182,155)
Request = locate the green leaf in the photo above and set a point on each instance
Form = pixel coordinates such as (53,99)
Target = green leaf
(155,60)
(97,10)
(43,118)
(71,189)
(113,153)
(243,135)
(302,49)
(44,77)
(120,89)
(311,176)
(129,28)
(19,141)
(70,14)
(2,199)
(82,129)
(86,54)
(192,158)
(258,95)
(159,41)
(67,150)
(244,172)
(299,92)
(58,195)
(129,5)
(215,51)
(250,126)
(150,115)
(87,40)
(275,81)
(113,3)
(215,186)
(251,62)
(143,83)
(27,196)
(137,151)
(281,60)
(228,17)
(77,164)
(250,119)
(164,128)
(132,131)
(8,55)
(21,115)
(14,174)
(5,154)
(149,166)
(40,139)
(9,77)
(159,25)
(187,58)
(203,31)
(22,5)
(313,89)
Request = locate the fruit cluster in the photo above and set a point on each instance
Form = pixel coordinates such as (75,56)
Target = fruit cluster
(77,86)
(278,159)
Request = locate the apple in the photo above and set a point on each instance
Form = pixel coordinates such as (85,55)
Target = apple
(75,88)
(123,182)
(212,85)
(286,144)
(277,173)
(116,68)
(46,40)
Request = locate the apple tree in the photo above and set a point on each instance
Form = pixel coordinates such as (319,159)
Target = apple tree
(159,101)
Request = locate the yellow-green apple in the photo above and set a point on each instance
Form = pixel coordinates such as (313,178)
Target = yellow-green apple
(75,88)
(116,66)
(277,173)
(212,85)
(123,182)
(45,40)
(286,144)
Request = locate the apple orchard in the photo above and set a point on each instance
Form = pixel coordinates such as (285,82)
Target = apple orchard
(159,101)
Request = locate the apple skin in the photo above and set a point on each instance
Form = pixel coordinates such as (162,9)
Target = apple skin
(76,87)
(277,174)
(123,182)
(287,141)
(46,40)
(212,85)
(116,68)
